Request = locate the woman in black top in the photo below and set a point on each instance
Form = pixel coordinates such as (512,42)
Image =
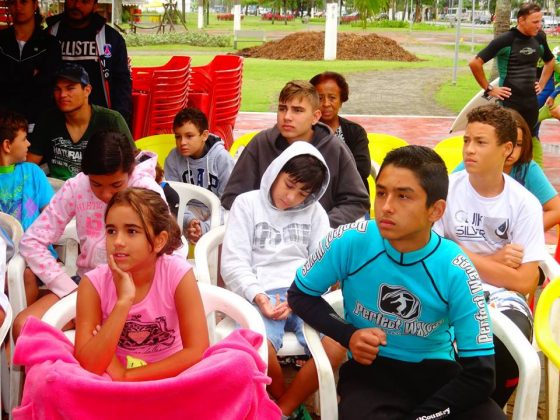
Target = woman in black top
(333,92)
(29,58)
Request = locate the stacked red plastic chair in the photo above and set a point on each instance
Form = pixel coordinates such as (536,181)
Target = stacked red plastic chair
(215,89)
(158,93)
(5,18)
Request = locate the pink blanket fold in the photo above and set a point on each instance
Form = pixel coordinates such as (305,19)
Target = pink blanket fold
(228,383)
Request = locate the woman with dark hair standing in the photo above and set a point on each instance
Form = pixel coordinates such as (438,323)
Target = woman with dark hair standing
(333,92)
(29,58)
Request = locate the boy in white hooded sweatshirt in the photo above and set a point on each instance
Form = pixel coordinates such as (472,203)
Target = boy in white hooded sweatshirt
(270,233)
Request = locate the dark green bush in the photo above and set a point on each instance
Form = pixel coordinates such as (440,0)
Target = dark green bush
(199,39)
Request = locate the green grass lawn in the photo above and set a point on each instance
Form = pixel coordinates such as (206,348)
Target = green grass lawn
(263,79)
(455,97)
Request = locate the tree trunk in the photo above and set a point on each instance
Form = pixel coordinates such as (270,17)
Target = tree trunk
(206,11)
(418,11)
(501,25)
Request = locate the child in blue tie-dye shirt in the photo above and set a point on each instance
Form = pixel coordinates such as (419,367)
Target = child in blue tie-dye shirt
(24,188)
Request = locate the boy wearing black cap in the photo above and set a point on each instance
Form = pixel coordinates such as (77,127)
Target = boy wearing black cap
(61,134)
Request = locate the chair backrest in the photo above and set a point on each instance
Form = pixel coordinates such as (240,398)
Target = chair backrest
(188,192)
(56,183)
(451,151)
(205,255)
(214,299)
(547,321)
(240,143)
(13,228)
(160,144)
(380,144)
(527,394)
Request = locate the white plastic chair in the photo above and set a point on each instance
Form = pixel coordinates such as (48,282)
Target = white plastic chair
(56,183)
(5,327)
(526,397)
(13,269)
(551,269)
(547,321)
(68,244)
(214,299)
(205,256)
(4,372)
(188,192)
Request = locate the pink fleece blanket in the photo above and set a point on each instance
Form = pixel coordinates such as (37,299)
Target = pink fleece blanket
(228,383)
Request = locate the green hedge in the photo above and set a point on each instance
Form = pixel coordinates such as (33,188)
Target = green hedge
(199,39)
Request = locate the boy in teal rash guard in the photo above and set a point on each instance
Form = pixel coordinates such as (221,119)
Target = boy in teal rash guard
(408,296)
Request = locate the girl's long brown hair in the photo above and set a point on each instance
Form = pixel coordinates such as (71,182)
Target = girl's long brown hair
(154,214)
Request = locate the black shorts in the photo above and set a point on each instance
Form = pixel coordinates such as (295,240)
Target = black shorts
(390,389)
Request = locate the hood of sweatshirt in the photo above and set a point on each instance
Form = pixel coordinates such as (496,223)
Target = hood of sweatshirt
(212,148)
(296,149)
(146,162)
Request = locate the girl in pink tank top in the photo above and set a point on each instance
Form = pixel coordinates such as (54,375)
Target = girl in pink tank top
(141,316)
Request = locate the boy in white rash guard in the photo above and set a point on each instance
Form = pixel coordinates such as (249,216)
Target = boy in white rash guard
(270,233)
(409,295)
(499,225)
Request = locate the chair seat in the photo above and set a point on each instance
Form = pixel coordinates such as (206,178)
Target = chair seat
(290,344)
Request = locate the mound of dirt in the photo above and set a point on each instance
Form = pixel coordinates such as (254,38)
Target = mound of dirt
(350,46)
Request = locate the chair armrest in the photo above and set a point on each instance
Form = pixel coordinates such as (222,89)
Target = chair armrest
(7,322)
(16,288)
(550,267)
(205,244)
(62,311)
(219,299)
(527,394)
(327,384)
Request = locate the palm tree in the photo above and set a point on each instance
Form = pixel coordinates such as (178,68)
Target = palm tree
(501,25)
(367,9)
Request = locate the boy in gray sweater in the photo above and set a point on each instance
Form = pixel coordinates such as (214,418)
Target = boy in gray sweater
(200,158)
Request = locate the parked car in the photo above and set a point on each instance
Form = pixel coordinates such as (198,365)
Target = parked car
(482,18)
(451,15)
(550,21)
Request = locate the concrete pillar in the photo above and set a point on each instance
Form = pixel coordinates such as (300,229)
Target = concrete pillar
(237,17)
(331,28)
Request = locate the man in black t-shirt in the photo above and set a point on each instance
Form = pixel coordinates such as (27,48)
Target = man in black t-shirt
(62,133)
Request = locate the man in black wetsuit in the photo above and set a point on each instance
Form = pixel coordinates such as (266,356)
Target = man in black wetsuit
(517,52)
